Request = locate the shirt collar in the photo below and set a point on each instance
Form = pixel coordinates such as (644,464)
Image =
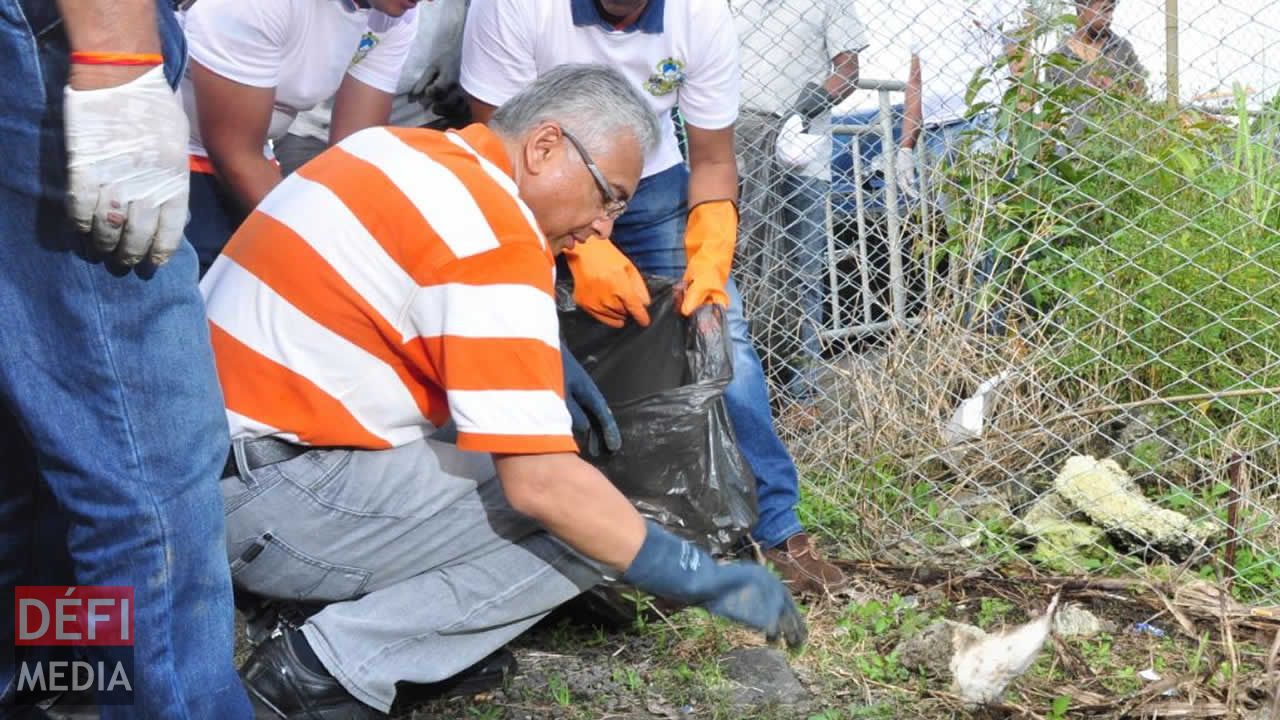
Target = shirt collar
(489,146)
(585,14)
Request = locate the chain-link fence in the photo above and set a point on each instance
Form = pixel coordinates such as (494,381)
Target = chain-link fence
(1046,337)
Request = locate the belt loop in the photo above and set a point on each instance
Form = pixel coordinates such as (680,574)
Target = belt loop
(242,463)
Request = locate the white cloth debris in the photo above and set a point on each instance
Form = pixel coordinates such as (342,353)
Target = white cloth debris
(983,667)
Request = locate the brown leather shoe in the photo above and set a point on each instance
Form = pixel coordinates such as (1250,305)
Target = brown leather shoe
(803,569)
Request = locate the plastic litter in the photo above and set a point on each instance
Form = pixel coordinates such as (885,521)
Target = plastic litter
(985,663)
(1150,675)
(970,417)
(679,463)
(1143,628)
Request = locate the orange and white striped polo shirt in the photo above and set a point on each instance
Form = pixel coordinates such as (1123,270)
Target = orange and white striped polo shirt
(394,281)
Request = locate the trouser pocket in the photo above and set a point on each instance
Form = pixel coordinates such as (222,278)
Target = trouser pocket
(270,567)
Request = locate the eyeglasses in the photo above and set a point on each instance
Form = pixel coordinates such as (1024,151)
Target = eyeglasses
(613,205)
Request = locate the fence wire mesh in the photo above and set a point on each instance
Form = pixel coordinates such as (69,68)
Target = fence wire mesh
(1056,348)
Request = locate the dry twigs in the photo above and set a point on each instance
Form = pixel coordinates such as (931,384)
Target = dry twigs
(1198,608)
(1273,672)
(1194,600)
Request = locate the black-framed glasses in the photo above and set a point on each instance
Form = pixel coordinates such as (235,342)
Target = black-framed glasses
(613,205)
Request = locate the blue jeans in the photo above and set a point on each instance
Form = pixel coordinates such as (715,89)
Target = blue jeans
(212,219)
(943,142)
(806,232)
(651,234)
(112,429)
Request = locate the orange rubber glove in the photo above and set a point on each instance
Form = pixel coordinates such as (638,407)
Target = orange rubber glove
(606,284)
(709,240)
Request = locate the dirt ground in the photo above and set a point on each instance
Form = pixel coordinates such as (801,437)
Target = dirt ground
(1140,662)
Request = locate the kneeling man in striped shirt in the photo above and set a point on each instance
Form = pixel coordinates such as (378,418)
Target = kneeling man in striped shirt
(402,279)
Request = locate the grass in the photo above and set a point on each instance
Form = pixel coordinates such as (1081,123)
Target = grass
(559,691)
(671,668)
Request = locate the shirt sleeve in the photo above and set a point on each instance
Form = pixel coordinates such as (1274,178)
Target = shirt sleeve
(380,68)
(490,330)
(1127,59)
(497,50)
(845,32)
(241,41)
(710,95)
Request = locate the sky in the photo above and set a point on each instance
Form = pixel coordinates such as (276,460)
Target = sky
(1221,42)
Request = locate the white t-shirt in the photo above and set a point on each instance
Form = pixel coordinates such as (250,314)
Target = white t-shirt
(787,43)
(680,52)
(953,41)
(302,48)
(436,48)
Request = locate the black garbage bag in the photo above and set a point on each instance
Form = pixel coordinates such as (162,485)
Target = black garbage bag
(679,463)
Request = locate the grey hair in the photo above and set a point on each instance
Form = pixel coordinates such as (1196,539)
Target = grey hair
(594,102)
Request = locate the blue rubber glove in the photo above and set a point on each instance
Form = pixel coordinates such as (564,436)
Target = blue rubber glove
(744,592)
(586,403)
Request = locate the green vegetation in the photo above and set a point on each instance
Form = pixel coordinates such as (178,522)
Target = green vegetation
(559,691)
(1167,284)
(1146,245)
(1142,247)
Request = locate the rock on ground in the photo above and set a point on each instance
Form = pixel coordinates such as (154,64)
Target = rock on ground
(1103,491)
(930,650)
(762,676)
(1074,621)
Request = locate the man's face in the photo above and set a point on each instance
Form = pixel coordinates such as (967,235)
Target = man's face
(1095,16)
(394,8)
(566,198)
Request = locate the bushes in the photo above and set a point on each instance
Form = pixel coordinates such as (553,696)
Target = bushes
(1174,288)
(1148,246)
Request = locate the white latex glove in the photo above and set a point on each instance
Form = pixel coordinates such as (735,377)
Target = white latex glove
(905,164)
(127,161)
(806,153)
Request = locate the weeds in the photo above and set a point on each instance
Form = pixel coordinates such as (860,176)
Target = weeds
(484,712)
(1255,157)
(629,678)
(559,691)
(993,611)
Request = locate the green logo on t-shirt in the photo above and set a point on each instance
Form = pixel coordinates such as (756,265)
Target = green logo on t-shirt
(670,76)
(367,43)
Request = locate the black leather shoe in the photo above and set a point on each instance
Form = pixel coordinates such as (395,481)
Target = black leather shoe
(488,674)
(264,616)
(281,686)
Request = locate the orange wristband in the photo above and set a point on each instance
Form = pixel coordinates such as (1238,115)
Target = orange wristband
(115,58)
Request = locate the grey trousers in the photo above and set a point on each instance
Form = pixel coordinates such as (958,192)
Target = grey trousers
(427,568)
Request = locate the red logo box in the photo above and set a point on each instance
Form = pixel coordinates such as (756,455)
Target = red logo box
(73,615)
